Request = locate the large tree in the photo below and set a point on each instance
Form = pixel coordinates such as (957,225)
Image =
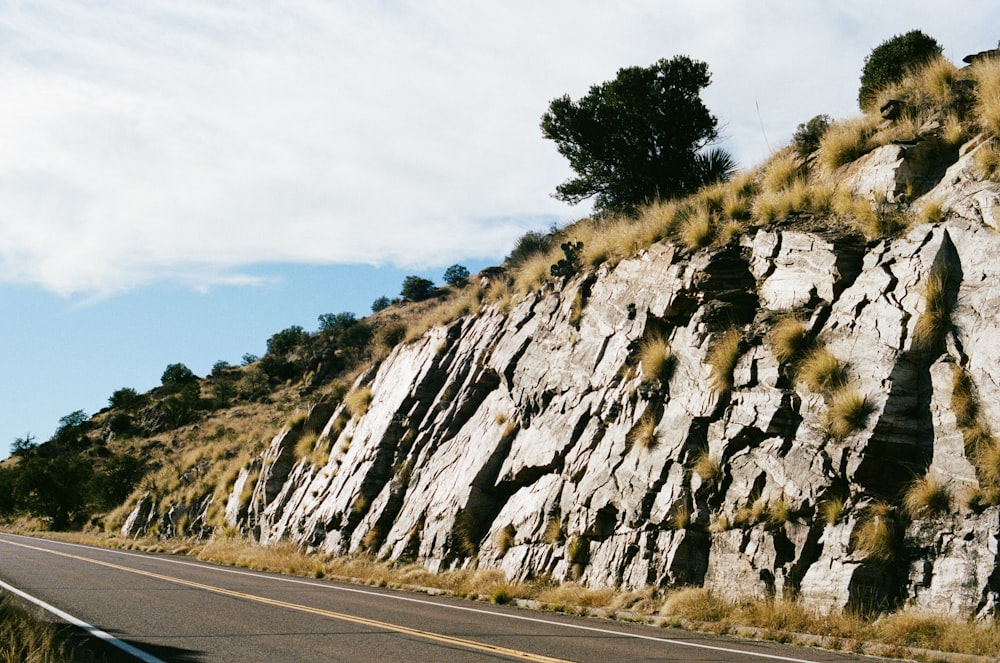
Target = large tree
(635,138)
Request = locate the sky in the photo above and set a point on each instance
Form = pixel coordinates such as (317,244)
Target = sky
(180,179)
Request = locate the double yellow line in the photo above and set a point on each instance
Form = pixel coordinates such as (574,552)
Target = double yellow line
(426,635)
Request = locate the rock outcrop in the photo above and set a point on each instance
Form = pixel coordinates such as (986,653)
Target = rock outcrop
(512,439)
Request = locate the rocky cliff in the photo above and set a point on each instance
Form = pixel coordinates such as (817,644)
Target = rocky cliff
(543,439)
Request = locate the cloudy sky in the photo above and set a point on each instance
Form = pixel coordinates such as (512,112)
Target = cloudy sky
(179,179)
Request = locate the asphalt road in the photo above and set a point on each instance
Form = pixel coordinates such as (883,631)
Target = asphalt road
(175,609)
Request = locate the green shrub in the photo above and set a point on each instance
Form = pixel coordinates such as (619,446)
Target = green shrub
(416,288)
(891,60)
(528,245)
(808,135)
(456,275)
(569,264)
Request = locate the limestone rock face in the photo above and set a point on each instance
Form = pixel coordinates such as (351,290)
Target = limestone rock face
(527,438)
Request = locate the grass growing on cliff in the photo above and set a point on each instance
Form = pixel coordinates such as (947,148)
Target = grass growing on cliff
(656,359)
(934,323)
(848,412)
(987,76)
(789,340)
(988,160)
(876,535)
(822,371)
(925,498)
(643,434)
(358,400)
(722,357)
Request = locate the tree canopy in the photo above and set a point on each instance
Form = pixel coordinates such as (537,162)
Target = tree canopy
(635,138)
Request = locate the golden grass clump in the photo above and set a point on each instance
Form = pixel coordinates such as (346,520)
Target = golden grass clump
(986,73)
(697,604)
(707,466)
(656,359)
(658,220)
(848,412)
(722,357)
(988,160)
(680,518)
(831,509)
(643,433)
(789,340)
(358,401)
(822,371)
(935,322)
(697,231)
(846,141)
(779,512)
(931,212)
(505,539)
(24,638)
(925,498)
(875,535)
(964,402)
(783,170)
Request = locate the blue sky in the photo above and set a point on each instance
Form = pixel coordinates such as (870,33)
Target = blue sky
(180,179)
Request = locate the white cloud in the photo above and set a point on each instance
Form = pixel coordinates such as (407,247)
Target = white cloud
(188,140)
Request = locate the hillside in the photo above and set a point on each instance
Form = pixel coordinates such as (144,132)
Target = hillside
(783,385)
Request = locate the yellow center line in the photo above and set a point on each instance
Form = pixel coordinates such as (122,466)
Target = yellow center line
(427,635)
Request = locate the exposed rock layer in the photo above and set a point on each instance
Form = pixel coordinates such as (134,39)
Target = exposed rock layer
(506,439)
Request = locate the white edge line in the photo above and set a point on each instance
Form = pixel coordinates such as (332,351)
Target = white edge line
(328,586)
(92,630)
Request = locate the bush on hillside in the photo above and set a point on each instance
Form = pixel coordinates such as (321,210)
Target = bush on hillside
(891,60)
(456,275)
(809,134)
(528,245)
(416,288)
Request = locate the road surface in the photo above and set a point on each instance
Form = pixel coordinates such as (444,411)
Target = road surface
(178,610)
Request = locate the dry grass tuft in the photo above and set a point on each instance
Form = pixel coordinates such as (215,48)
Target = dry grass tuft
(846,141)
(643,434)
(505,539)
(708,467)
(848,412)
(680,518)
(656,359)
(926,498)
(987,76)
(358,401)
(931,212)
(789,340)
(781,172)
(964,402)
(697,604)
(875,535)
(988,160)
(831,509)
(697,231)
(722,357)
(822,371)
(23,638)
(934,323)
